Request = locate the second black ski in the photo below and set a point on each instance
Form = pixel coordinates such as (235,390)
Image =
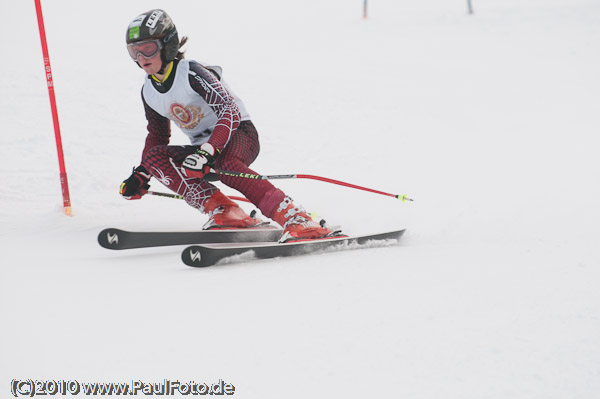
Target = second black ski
(211,254)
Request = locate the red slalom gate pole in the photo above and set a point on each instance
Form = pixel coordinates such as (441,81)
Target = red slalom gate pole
(61,159)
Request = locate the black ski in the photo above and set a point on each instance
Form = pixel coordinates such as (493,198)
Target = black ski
(210,254)
(120,239)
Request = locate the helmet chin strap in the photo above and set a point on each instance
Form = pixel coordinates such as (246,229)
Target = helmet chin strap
(164,63)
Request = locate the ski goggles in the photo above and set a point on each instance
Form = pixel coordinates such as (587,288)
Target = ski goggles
(147,48)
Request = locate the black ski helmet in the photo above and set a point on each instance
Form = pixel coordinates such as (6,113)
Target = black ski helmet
(155,24)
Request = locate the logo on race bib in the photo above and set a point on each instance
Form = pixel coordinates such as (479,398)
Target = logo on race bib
(185,116)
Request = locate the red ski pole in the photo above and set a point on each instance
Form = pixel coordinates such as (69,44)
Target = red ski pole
(61,160)
(402,197)
(176,196)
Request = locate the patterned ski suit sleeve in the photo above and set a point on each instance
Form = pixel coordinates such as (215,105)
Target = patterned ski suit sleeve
(159,129)
(207,85)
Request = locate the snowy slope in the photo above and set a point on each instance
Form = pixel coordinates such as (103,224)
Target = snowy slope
(488,121)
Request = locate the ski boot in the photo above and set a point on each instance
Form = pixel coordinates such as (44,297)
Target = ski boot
(297,224)
(223,213)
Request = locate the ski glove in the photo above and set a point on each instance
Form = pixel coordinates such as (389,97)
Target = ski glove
(199,163)
(136,185)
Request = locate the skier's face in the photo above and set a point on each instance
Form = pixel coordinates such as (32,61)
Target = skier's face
(147,54)
(150,65)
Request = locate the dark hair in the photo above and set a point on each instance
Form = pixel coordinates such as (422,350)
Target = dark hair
(180,54)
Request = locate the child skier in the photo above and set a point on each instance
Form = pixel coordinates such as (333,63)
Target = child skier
(198,101)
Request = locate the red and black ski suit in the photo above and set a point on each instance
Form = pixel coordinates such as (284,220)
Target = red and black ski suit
(235,140)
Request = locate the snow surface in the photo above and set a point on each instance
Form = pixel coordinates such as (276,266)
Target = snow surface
(488,121)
